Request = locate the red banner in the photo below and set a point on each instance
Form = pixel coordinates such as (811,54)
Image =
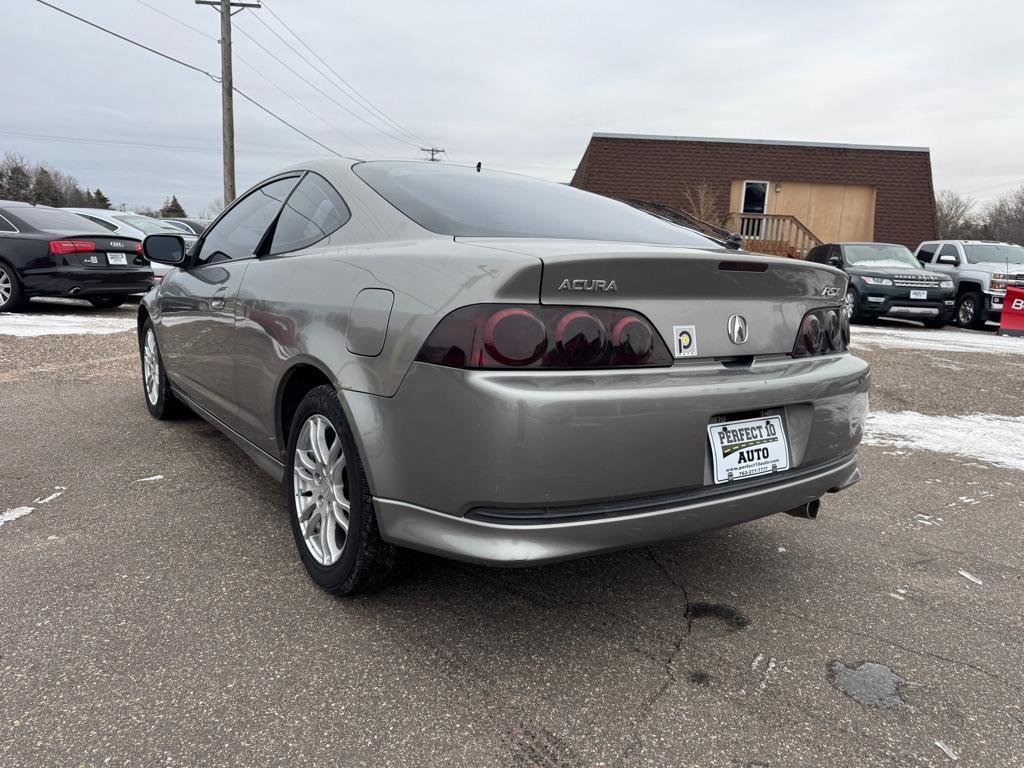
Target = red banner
(1012,320)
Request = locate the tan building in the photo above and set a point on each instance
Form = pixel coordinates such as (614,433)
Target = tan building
(781,196)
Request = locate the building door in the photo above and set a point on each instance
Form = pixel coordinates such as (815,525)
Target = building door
(755,201)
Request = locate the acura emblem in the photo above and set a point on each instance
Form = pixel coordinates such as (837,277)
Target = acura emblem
(116,244)
(738,329)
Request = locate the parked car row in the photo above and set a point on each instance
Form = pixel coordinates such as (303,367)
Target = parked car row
(89,253)
(943,281)
(52,252)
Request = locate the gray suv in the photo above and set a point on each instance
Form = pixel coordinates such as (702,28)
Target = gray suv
(981,270)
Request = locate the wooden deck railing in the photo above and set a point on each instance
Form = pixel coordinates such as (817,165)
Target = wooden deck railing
(777,234)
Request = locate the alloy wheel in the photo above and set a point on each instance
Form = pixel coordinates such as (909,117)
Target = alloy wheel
(321,489)
(6,287)
(151,368)
(965,312)
(849,301)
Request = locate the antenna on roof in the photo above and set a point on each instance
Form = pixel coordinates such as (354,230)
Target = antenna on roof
(479,165)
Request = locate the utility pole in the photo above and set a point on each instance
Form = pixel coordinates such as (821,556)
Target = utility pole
(433,152)
(227,88)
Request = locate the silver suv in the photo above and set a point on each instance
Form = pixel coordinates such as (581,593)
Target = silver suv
(981,270)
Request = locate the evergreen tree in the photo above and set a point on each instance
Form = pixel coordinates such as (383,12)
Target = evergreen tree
(172,208)
(17,178)
(100,200)
(44,188)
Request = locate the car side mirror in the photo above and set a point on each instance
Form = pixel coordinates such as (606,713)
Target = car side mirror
(164,249)
(947,259)
(835,261)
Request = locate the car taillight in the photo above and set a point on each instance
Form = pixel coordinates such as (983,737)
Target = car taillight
(822,332)
(60,247)
(138,248)
(534,336)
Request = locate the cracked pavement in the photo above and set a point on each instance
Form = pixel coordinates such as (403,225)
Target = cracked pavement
(169,622)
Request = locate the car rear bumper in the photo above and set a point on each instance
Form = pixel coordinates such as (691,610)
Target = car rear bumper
(635,524)
(84,281)
(454,442)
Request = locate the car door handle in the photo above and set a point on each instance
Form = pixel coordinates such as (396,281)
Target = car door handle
(217,302)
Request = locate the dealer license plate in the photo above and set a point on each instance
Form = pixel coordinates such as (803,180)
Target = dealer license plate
(742,449)
(919,295)
(117,258)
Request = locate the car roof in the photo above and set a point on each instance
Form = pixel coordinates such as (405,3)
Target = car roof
(21,204)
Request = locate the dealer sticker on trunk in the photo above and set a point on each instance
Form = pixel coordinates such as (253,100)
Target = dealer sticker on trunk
(742,449)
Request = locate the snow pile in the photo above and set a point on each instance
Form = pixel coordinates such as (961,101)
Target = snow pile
(38,324)
(981,436)
(939,341)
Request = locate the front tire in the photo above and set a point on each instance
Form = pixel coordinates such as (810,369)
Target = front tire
(329,501)
(107,302)
(160,400)
(851,305)
(970,310)
(12,295)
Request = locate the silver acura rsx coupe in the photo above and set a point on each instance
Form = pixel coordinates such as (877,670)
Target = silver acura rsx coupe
(498,369)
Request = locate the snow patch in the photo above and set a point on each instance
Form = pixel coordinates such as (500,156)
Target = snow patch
(13,514)
(969,577)
(37,324)
(981,436)
(150,479)
(938,341)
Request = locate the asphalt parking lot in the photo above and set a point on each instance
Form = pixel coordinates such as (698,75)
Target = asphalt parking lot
(153,610)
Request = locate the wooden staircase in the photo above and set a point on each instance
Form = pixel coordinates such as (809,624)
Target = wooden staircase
(775,234)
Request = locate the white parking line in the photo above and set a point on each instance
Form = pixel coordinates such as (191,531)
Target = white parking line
(39,324)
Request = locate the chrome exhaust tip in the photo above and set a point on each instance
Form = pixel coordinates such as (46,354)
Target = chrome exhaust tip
(808,511)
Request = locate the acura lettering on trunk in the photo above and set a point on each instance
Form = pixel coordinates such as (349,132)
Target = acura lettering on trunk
(434,358)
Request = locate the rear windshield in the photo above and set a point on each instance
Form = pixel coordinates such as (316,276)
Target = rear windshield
(148,225)
(995,254)
(54,220)
(453,200)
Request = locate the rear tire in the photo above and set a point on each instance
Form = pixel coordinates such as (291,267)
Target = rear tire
(12,295)
(329,502)
(160,400)
(970,310)
(107,302)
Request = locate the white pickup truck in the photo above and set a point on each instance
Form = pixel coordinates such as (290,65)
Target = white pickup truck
(981,271)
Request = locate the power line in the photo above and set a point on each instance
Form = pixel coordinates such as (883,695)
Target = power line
(132,42)
(257,71)
(312,66)
(195,69)
(347,84)
(140,145)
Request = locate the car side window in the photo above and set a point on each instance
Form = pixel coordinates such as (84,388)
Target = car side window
(101,222)
(818,254)
(926,252)
(6,226)
(312,212)
(240,230)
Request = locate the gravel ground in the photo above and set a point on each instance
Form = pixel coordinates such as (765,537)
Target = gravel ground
(153,610)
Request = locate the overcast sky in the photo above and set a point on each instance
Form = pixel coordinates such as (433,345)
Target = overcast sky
(516,85)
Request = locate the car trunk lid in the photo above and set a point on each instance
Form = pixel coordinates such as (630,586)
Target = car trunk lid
(683,290)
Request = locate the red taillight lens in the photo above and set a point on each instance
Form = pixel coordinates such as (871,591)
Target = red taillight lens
(138,248)
(61,247)
(822,331)
(506,336)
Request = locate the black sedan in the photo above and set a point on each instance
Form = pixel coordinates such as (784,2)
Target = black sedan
(49,252)
(887,281)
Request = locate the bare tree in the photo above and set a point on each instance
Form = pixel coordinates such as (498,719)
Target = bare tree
(212,209)
(1004,218)
(703,202)
(954,216)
